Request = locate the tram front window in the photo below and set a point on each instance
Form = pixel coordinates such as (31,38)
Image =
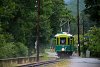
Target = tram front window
(62,41)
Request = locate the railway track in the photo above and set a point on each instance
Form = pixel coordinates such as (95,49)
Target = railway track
(40,63)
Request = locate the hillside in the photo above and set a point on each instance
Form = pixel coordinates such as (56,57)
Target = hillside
(72,6)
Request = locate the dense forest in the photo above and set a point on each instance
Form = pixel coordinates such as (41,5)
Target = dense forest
(18,19)
(89,25)
(92,14)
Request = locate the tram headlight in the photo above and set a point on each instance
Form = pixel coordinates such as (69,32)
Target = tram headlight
(63,49)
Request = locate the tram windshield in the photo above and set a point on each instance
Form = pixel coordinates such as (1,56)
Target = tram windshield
(62,41)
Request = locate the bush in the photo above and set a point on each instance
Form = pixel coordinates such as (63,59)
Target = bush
(21,49)
(94,41)
(9,49)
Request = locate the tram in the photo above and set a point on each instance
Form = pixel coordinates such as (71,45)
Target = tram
(64,44)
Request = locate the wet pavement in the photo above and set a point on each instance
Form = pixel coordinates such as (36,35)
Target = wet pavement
(84,62)
(75,61)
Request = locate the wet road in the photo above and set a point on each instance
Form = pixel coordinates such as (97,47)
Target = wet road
(84,62)
(75,61)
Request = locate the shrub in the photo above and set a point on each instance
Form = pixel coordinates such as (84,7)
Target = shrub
(9,49)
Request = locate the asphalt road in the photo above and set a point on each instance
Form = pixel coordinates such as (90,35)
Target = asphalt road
(83,62)
(75,61)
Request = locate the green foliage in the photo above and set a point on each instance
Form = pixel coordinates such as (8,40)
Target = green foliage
(18,20)
(9,49)
(93,11)
(94,41)
(60,12)
(5,38)
(6,8)
(21,49)
(76,39)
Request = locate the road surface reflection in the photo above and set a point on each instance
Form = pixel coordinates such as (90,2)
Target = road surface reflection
(76,62)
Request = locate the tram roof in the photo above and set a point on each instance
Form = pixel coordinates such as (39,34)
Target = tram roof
(62,34)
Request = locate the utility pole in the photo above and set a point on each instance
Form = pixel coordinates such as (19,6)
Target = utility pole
(78,27)
(38,26)
(83,38)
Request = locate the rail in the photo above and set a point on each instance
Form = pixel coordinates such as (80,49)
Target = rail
(39,63)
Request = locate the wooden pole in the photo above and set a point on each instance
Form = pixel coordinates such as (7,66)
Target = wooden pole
(37,38)
(78,27)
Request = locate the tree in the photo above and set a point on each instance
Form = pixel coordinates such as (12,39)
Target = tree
(93,41)
(60,11)
(9,49)
(18,19)
(13,22)
(93,9)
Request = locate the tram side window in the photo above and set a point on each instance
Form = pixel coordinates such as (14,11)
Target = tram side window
(71,42)
(57,41)
(62,41)
(68,41)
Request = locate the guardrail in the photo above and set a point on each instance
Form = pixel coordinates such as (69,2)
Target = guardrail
(12,62)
